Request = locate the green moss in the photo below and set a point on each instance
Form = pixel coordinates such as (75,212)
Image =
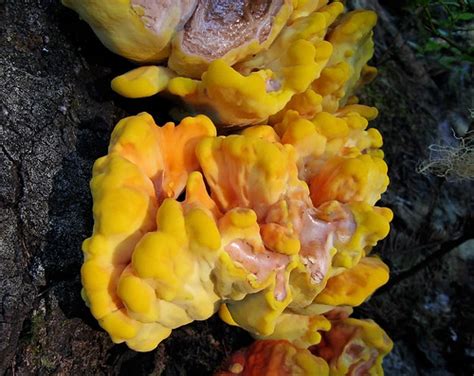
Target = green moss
(443,29)
(32,332)
(47,363)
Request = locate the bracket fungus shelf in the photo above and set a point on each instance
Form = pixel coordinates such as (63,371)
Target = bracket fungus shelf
(240,62)
(264,231)
(348,347)
(271,227)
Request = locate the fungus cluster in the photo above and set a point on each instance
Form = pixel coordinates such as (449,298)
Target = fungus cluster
(349,347)
(271,227)
(275,223)
(241,62)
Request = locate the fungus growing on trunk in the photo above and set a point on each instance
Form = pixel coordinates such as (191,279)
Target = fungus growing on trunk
(347,347)
(247,237)
(241,62)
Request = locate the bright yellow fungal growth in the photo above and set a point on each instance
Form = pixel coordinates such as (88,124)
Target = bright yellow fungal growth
(346,70)
(149,31)
(274,358)
(352,286)
(121,28)
(306,7)
(229,163)
(277,222)
(348,347)
(142,82)
(372,224)
(362,179)
(311,59)
(340,141)
(248,99)
(127,187)
(311,28)
(237,99)
(281,207)
(352,49)
(264,246)
(303,331)
(165,155)
(354,347)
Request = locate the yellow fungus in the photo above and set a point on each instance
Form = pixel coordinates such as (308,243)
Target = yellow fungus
(250,236)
